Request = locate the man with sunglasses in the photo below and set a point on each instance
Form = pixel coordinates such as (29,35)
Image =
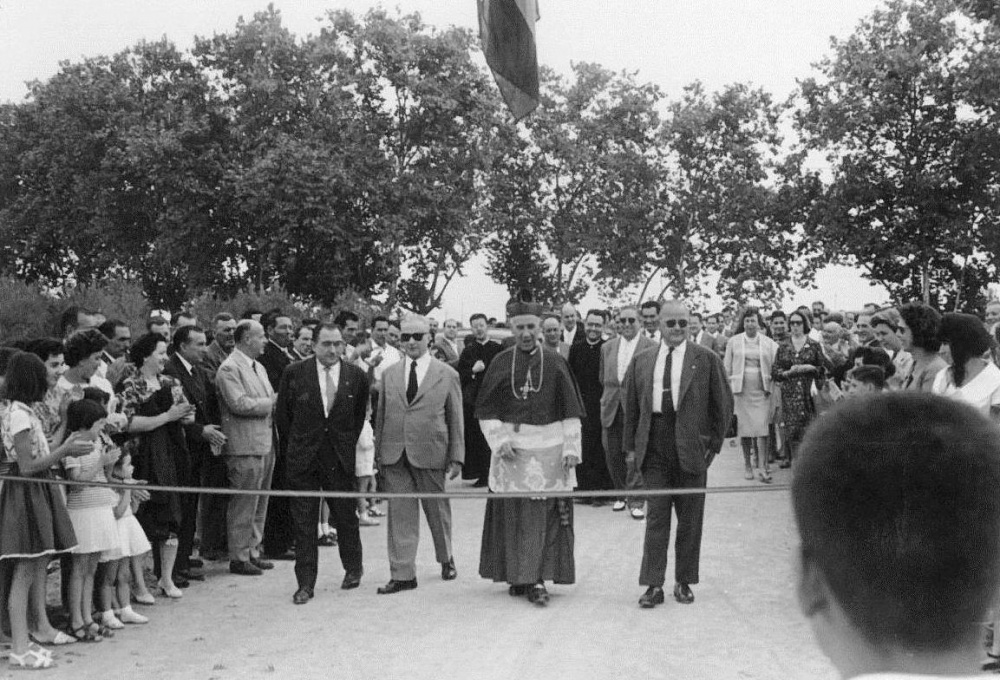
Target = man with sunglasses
(677,407)
(616,355)
(419,440)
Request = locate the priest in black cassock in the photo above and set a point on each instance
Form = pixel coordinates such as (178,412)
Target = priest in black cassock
(529,410)
(476,357)
(585,364)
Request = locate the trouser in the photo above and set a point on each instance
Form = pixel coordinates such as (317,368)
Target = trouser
(279,528)
(246,514)
(404,516)
(661,469)
(213,506)
(343,517)
(615,457)
(189,513)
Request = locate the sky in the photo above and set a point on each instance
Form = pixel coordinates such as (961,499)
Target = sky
(769,43)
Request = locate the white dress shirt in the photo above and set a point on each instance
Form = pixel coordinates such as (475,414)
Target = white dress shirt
(569,336)
(654,336)
(185,363)
(626,349)
(423,363)
(677,362)
(335,374)
(389,354)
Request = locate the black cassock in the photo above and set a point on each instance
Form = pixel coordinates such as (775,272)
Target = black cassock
(477,451)
(585,363)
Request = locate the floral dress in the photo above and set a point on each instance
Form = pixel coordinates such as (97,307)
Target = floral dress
(160,456)
(797,405)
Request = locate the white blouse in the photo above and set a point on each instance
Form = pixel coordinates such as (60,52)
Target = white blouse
(982,392)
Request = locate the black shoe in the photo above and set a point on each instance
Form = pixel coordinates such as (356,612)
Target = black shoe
(480,483)
(327,541)
(352,579)
(288,555)
(785,464)
(302,595)
(261,564)
(537,594)
(393,587)
(188,575)
(448,571)
(244,568)
(519,589)
(652,597)
(180,581)
(195,563)
(683,594)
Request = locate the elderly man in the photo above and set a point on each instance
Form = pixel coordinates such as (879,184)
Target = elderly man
(246,403)
(678,406)
(529,410)
(572,327)
(222,343)
(552,335)
(419,439)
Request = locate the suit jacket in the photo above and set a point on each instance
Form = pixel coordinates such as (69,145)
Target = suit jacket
(579,336)
(611,398)
(246,402)
(200,391)
(443,351)
(563,349)
(736,356)
(704,406)
(430,429)
(216,355)
(274,360)
(707,340)
(309,434)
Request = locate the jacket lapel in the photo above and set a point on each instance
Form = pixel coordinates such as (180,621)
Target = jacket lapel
(433,375)
(687,373)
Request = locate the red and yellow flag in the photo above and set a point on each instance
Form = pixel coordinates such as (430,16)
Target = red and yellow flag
(507,32)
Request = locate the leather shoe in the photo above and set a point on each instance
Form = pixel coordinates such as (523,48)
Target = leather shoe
(538,595)
(393,587)
(196,562)
(261,564)
(244,568)
(288,555)
(652,597)
(180,581)
(188,575)
(302,595)
(683,594)
(352,579)
(448,571)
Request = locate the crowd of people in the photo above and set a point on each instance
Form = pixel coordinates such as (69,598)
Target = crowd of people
(638,398)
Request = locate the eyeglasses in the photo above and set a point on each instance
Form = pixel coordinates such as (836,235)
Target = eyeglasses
(679,323)
(628,319)
(406,337)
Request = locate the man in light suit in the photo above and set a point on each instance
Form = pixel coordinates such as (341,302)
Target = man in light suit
(246,401)
(419,438)
(677,408)
(616,355)
(446,347)
(322,405)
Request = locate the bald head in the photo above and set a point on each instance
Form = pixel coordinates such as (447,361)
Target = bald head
(674,318)
(569,316)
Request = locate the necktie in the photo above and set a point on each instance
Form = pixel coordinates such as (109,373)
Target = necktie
(411,386)
(668,400)
(331,388)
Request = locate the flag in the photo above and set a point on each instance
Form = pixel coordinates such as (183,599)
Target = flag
(507,32)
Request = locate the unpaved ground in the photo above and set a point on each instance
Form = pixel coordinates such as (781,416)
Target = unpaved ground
(743,625)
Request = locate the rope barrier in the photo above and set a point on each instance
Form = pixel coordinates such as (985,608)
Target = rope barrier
(465,495)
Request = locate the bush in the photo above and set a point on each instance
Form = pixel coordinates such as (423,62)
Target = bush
(207,305)
(25,311)
(115,298)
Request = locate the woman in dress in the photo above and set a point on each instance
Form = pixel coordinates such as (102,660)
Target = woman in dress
(799,364)
(918,330)
(156,409)
(749,359)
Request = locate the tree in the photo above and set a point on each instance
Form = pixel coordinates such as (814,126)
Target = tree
(913,154)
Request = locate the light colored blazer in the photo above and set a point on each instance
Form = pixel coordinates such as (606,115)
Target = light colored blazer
(704,407)
(430,429)
(611,397)
(246,402)
(444,351)
(735,360)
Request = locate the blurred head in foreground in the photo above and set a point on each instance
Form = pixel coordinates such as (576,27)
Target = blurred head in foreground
(897,508)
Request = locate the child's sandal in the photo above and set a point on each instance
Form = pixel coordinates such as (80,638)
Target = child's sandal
(31,660)
(85,634)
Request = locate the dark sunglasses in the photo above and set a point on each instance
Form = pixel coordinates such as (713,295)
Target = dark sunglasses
(406,337)
(628,319)
(679,323)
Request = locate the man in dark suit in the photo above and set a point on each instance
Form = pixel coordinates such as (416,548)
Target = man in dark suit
(278,531)
(203,435)
(322,403)
(677,406)
(699,335)
(419,439)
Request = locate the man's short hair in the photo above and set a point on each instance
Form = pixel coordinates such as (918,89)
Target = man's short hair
(869,375)
(183,335)
(223,316)
(598,312)
(380,317)
(778,314)
(269,319)
(896,502)
(249,313)
(156,321)
(242,328)
(310,323)
(650,303)
(43,348)
(81,344)
(478,315)
(110,327)
(185,314)
(344,316)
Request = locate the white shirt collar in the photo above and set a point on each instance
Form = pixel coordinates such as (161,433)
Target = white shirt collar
(184,363)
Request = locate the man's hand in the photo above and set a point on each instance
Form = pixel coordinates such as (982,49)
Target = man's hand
(374,361)
(78,444)
(214,435)
(506,451)
(709,456)
(478,367)
(570,462)
(454,469)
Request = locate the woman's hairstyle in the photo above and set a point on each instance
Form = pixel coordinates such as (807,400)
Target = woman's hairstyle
(874,356)
(806,324)
(6,353)
(43,348)
(750,311)
(81,344)
(144,347)
(82,414)
(870,375)
(26,380)
(96,394)
(967,337)
(924,323)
